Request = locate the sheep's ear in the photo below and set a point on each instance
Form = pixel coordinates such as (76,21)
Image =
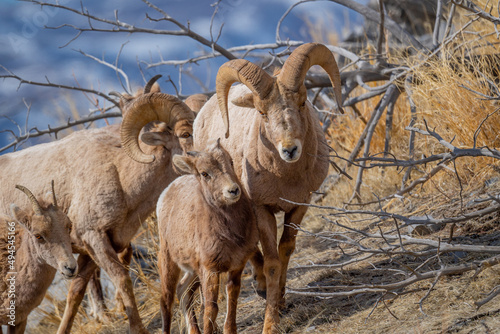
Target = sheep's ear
(154,138)
(20,216)
(185,164)
(245,101)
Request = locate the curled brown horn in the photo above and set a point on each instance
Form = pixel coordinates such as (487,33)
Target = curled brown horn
(249,74)
(34,203)
(145,109)
(294,70)
(150,83)
(54,199)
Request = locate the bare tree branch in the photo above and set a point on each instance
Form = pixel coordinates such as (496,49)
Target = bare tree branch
(34,132)
(48,83)
(120,26)
(369,14)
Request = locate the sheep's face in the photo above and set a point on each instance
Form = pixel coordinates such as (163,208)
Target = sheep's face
(214,170)
(49,236)
(284,115)
(173,141)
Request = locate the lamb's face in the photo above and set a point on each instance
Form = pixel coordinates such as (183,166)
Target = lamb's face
(217,178)
(214,170)
(49,234)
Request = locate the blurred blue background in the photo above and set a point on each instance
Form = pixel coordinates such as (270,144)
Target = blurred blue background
(34,52)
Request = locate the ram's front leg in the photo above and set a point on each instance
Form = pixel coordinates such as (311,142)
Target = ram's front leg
(125,258)
(98,307)
(257,261)
(76,292)
(266,223)
(287,244)
(101,249)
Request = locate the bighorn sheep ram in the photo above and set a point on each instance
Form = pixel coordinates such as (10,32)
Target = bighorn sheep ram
(279,151)
(105,193)
(96,298)
(34,244)
(206,226)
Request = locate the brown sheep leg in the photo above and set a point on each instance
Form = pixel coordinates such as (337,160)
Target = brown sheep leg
(76,292)
(210,287)
(257,261)
(102,251)
(232,291)
(17,329)
(169,275)
(267,235)
(98,307)
(185,292)
(287,244)
(125,258)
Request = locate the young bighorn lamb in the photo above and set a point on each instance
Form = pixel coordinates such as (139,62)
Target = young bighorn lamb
(206,226)
(34,244)
(105,193)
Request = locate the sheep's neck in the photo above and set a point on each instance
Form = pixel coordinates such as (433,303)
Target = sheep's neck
(143,183)
(233,223)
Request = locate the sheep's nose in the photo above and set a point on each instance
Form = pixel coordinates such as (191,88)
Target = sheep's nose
(70,270)
(290,152)
(235,191)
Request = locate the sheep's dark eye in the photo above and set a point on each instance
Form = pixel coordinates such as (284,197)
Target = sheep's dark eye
(261,113)
(204,174)
(39,237)
(186,135)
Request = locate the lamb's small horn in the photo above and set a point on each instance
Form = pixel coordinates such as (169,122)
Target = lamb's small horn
(34,203)
(54,199)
